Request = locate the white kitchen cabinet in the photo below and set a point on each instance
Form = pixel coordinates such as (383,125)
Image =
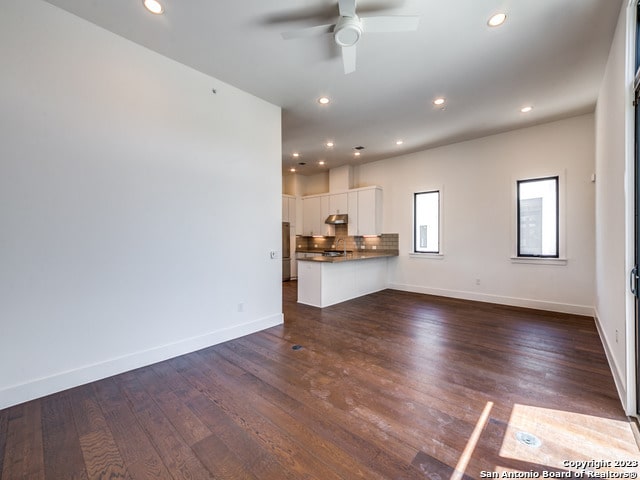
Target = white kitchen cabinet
(315,211)
(363,205)
(365,211)
(338,203)
(321,284)
(352,210)
(325,211)
(310,216)
(285,208)
(370,211)
(292,210)
(289,213)
(298,216)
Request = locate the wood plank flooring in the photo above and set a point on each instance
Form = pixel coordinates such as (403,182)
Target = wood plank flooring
(393,385)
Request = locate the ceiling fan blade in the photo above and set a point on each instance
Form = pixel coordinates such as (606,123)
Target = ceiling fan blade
(319,14)
(394,23)
(347,8)
(308,32)
(349,59)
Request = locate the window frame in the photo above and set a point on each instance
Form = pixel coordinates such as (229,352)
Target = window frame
(414,251)
(558,236)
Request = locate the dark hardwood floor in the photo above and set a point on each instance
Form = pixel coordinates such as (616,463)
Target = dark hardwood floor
(393,385)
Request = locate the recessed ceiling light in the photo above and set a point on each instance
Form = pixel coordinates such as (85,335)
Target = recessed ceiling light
(321,162)
(357,154)
(497,20)
(292,170)
(439,101)
(329,144)
(153,6)
(526,109)
(296,154)
(399,142)
(323,100)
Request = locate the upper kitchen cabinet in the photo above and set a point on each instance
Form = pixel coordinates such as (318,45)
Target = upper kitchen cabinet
(365,211)
(285,208)
(310,215)
(315,210)
(325,211)
(298,210)
(363,205)
(338,203)
(289,209)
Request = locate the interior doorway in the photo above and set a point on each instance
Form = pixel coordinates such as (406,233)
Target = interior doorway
(634,283)
(636,210)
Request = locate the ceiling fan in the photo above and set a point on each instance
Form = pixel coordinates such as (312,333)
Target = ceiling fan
(350,27)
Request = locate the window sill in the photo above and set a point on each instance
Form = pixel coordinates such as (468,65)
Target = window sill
(430,256)
(540,261)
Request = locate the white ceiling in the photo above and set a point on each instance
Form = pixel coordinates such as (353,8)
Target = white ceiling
(549,53)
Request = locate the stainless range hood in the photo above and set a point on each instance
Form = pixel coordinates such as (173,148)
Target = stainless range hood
(339,219)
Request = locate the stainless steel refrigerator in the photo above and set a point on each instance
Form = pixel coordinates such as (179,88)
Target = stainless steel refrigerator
(286,252)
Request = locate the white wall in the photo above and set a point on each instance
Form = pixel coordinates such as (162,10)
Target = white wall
(130,198)
(290,184)
(314,184)
(478,181)
(612,192)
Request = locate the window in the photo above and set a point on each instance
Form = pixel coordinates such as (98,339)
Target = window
(426,222)
(538,234)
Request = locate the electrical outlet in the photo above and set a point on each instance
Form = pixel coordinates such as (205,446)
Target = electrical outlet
(241,307)
(616,336)
(477,281)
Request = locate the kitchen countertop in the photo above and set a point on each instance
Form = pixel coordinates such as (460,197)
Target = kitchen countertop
(350,256)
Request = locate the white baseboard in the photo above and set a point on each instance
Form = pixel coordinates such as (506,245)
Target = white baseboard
(40,387)
(585,310)
(613,366)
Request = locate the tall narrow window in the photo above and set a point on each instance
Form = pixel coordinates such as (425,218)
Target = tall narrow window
(538,234)
(426,222)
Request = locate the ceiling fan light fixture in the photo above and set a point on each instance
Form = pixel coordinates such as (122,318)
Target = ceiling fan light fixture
(497,19)
(347,31)
(153,6)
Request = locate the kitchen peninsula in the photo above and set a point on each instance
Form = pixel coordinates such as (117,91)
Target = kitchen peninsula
(327,280)
(345,217)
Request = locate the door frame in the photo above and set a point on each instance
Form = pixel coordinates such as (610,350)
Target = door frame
(632,400)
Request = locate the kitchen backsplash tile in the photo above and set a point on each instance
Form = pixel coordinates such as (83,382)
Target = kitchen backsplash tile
(385,242)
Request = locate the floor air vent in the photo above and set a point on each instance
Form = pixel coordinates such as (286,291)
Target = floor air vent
(528,439)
